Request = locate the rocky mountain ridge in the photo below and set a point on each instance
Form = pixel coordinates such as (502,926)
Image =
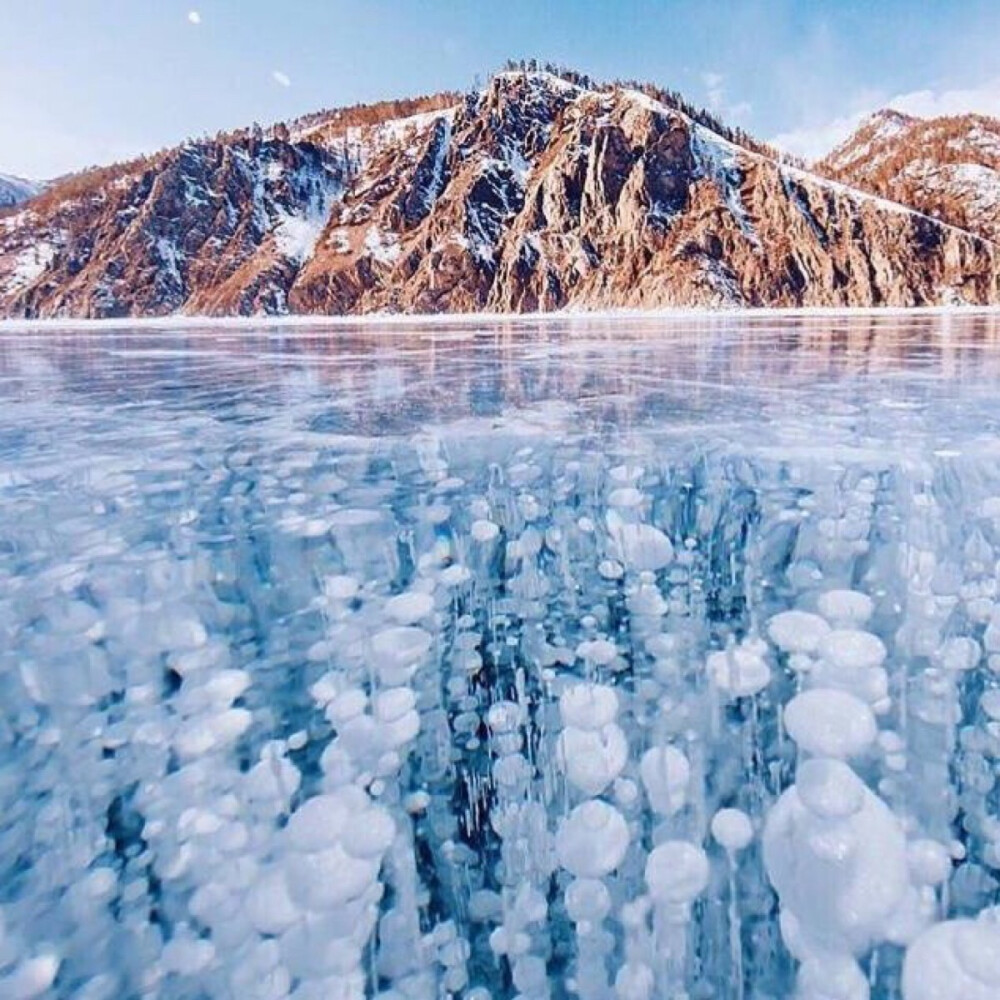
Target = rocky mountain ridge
(534,194)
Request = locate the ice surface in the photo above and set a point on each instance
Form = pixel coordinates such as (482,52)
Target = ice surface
(596,659)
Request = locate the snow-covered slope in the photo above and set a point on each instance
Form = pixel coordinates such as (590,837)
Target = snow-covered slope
(537,193)
(15,190)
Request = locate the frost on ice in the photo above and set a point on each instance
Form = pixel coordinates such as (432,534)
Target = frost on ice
(298,701)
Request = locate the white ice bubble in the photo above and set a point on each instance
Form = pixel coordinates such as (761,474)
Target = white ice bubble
(635,981)
(392,704)
(504,716)
(398,651)
(625,496)
(484,531)
(367,833)
(354,517)
(732,829)
(409,607)
(587,899)
(319,821)
(340,587)
(454,575)
(666,774)
(588,706)
(829,789)
(830,723)
(676,872)
(740,671)
(626,472)
(930,862)
(852,649)
(269,908)
(206,734)
(327,879)
(31,978)
(831,977)
(797,631)
(640,546)
(846,608)
(836,855)
(990,702)
(599,652)
(610,569)
(592,840)
(344,705)
(223,688)
(592,758)
(955,960)
(273,779)
(960,654)
(186,955)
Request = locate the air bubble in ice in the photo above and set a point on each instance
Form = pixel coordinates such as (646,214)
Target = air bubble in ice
(676,872)
(592,840)
(830,723)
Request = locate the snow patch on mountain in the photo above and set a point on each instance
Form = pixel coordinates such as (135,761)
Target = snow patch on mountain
(405,129)
(339,240)
(648,103)
(719,161)
(382,246)
(519,165)
(977,184)
(985,142)
(358,145)
(171,257)
(296,236)
(30,264)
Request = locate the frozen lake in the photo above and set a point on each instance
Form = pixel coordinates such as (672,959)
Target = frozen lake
(615,659)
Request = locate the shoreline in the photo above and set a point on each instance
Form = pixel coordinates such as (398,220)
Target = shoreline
(179,321)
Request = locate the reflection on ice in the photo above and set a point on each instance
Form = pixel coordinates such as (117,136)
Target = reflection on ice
(582,659)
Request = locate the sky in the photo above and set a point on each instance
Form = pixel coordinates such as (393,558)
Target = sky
(85,82)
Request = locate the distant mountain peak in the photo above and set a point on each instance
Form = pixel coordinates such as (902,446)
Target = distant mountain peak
(873,132)
(888,118)
(16,190)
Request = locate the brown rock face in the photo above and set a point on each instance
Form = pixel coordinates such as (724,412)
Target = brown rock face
(948,168)
(533,195)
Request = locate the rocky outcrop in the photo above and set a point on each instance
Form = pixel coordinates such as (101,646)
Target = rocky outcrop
(945,167)
(535,194)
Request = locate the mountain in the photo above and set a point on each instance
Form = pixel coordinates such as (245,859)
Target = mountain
(946,167)
(537,193)
(15,190)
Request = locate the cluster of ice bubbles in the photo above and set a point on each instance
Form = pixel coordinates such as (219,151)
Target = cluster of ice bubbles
(394,721)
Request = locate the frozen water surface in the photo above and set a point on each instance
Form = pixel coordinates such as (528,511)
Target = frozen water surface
(586,658)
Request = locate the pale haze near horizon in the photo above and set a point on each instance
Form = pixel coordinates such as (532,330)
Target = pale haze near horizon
(85,83)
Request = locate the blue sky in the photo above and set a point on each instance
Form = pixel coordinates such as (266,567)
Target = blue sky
(90,81)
